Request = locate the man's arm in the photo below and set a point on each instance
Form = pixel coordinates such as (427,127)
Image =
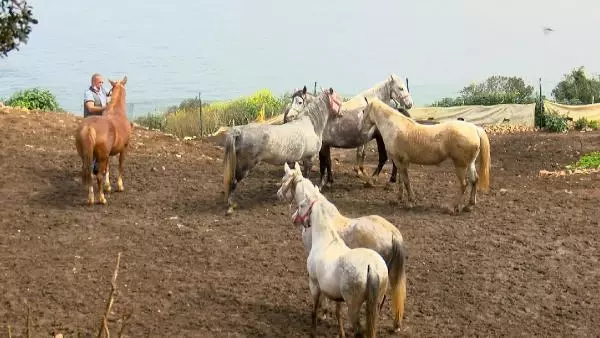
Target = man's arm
(93,109)
(88,102)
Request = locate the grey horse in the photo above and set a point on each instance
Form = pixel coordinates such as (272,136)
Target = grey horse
(300,140)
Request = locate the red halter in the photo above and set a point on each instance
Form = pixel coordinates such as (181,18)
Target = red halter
(303,218)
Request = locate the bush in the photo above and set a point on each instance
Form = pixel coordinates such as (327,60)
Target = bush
(35,98)
(555,123)
(581,123)
(587,161)
(186,119)
(152,121)
(593,124)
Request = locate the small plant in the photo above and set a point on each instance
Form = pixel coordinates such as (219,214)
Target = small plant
(34,98)
(587,161)
(593,124)
(152,121)
(555,123)
(581,123)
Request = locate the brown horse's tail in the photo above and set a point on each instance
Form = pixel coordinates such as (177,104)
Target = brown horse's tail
(230,163)
(483,183)
(397,274)
(373,291)
(85,145)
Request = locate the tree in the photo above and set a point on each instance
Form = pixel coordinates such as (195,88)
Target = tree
(577,88)
(16,19)
(494,90)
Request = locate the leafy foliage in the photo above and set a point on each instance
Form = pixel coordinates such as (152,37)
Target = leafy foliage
(193,118)
(494,90)
(34,98)
(16,19)
(587,161)
(555,123)
(577,88)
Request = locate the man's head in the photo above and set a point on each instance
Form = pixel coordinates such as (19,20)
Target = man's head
(97,81)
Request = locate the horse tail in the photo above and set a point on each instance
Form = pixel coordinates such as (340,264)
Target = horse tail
(373,291)
(230,162)
(397,274)
(86,141)
(483,183)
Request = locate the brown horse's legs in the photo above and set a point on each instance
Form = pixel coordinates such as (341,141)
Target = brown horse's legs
(338,315)
(102,163)
(107,186)
(461,173)
(120,186)
(88,181)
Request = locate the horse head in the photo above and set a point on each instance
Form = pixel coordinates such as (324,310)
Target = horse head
(293,185)
(334,104)
(398,91)
(299,100)
(117,101)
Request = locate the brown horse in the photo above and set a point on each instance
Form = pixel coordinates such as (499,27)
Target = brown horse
(99,137)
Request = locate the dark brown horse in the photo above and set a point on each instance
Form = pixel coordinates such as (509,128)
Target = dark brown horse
(99,137)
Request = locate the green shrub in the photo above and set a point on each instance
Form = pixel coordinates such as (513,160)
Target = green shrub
(587,161)
(555,123)
(186,119)
(581,123)
(152,121)
(34,98)
(593,124)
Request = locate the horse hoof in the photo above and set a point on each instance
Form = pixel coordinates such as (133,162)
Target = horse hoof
(102,201)
(409,205)
(108,188)
(369,184)
(229,211)
(467,208)
(90,202)
(388,187)
(120,189)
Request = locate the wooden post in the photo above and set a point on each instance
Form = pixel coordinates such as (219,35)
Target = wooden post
(201,120)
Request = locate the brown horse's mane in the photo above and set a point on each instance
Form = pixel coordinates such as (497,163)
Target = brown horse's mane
(116,106)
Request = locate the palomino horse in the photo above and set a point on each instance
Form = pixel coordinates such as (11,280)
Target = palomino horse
(346,131)
(339,273)
(410,142)
(300,140)
(103,136)
(372,231)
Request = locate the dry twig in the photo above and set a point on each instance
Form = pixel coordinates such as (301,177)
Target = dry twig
(111,298)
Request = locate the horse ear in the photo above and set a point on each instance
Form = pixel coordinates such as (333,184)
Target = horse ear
(112,83)
(124,81)
(286,167)
(330,91)
(297,167)
(367,101)
(304,90)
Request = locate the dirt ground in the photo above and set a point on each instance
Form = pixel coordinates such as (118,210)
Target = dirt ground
(523,263)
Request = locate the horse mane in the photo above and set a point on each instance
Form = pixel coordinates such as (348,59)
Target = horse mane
(388,111)
(313,111)
(117,95)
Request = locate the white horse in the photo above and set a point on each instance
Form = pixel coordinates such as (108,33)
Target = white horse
(338,272)
(373,232)
(248,145)
(345,131)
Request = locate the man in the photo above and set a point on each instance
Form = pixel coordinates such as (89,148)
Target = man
(95,99)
